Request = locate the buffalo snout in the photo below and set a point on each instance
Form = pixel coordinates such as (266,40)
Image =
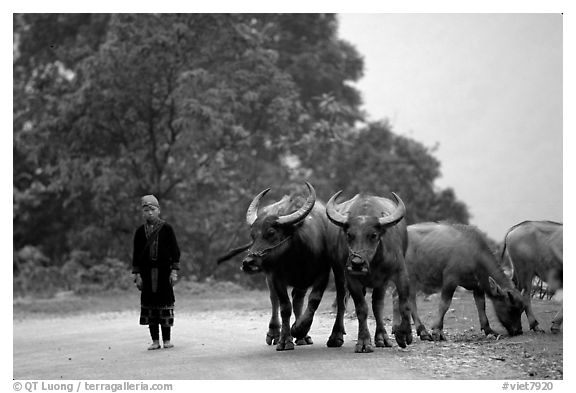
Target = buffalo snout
(356,260)
(250,266)
(357,265)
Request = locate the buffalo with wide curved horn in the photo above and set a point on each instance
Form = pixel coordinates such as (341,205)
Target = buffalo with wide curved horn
(294,244)
(376,238)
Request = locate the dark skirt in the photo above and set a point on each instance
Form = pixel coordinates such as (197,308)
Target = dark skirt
(163,316)
(157,297)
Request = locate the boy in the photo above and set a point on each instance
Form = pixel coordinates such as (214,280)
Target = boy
(155,262)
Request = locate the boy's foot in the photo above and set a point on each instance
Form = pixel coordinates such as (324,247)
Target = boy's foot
(154,345)
(168,344)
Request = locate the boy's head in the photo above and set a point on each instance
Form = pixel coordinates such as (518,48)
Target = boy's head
(150,208)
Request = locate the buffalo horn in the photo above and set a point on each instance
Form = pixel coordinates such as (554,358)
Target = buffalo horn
(301,213)
(252,212)
(396,215)
(332,212)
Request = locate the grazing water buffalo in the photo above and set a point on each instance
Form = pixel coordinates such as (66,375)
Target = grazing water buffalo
(375,232)
(298,249)
(443,256)
(534,248)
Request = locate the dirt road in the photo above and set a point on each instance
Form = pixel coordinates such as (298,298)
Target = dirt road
(230,345)
(216,345)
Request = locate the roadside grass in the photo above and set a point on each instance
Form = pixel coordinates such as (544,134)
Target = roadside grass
(190,297)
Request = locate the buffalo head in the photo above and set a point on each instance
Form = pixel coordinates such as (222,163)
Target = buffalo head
(271,232)
(363,227)
(508,306)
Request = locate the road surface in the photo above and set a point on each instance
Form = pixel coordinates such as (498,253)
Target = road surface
(231,345)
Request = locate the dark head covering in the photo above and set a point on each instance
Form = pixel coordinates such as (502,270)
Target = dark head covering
(150,200)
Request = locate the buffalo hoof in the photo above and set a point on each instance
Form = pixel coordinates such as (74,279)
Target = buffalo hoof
(423,333)
(492,333)
(425,336)
(403,339)
(335,342)
(304,341)
(383,342)
(286,345)
(403,334)
(381,339)
(363,346)
(556,328)
(489,332)
(537,328)
(438,335)
(301,328)
(272,338)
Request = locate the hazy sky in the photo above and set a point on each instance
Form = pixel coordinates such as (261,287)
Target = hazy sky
(487,88)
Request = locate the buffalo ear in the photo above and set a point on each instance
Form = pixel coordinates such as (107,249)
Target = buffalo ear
(495,289)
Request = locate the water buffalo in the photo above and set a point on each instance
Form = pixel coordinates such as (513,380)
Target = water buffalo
(375,232)
(534,248)
(443,256)
(295,247)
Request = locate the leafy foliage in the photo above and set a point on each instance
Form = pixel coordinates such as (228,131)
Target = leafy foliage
(202,110)
(376,161)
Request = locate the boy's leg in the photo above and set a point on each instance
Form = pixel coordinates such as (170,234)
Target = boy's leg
(166,337)
(155,334)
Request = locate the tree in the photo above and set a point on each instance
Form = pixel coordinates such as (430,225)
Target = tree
(376,161)
(46,48)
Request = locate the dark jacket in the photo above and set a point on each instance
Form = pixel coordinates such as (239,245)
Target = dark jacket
(156,292)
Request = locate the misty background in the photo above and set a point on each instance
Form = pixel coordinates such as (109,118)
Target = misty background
(486,89)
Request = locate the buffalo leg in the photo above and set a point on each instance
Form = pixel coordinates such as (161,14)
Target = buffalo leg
(403,331)
(480,300)
(381,338)
(286,341)
(558,318)
(298,296)
(443,305)
(364,343)
(420,328)
(338,331)
(302,325)
(557,322)
(274,326)
(395,310)
(526,287)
